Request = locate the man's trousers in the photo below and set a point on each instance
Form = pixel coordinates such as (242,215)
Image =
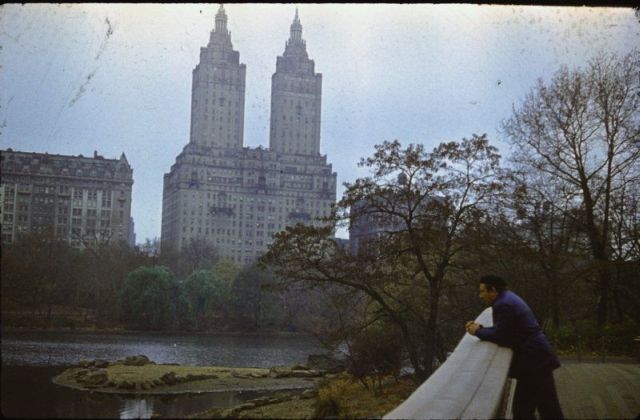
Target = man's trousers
(536,391)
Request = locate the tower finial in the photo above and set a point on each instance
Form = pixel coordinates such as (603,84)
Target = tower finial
(221,20)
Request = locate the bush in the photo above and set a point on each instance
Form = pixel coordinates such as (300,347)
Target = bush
(330,401)
(615,339)
(375,353)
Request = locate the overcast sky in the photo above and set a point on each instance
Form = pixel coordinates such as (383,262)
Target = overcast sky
(117,78)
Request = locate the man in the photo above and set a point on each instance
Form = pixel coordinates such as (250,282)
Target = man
(534,361)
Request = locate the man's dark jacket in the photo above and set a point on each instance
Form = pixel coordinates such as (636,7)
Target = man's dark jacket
(515,326)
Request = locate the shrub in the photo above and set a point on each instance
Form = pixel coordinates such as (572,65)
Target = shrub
(589,338)
(374,354)
(330,401)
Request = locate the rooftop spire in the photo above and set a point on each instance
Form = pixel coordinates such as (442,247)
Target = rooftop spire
(296,29)
(221,20)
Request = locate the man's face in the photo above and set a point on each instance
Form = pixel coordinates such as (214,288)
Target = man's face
(487,296)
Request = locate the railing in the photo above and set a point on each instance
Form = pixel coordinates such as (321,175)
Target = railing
(472,383)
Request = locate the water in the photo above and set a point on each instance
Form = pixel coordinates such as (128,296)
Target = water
(56,349)
(30,360)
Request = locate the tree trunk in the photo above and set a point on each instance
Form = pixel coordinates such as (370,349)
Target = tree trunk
(604,287)
(555,303)
(432,328)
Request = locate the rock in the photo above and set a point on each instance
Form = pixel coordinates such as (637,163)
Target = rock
(326,362)
(299,367)
(237,374)
(100,363)
(305,373)
(169,378)
(157,382)
(139,360)
(81,374)
(258,375)
(279,372)
(96,378)
(84,363)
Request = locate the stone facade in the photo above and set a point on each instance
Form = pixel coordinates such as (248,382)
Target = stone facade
(233,197)
(79,199)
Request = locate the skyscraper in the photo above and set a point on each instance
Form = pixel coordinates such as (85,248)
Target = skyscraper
(296,92)
(234,197)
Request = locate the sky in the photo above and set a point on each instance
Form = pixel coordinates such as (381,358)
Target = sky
(114,78)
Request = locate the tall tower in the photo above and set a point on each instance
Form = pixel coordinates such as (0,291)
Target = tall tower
(237,198)
(217,91)
(296,93)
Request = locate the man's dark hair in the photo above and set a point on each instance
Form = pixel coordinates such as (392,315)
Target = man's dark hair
(493,282)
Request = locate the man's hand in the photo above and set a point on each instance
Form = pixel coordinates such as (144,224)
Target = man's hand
(472,327)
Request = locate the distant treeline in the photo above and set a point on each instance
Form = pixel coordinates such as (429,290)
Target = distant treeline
(46,283)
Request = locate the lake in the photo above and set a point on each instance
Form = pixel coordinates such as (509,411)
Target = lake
(31,359)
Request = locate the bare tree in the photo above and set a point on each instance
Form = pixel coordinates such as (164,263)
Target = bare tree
(582,128)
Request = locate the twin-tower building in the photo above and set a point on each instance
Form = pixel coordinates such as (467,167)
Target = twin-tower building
(234,197)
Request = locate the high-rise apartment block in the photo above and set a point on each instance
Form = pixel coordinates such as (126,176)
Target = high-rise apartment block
(78,199)
(234,197)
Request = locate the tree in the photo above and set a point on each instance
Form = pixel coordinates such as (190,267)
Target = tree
(198,254)
(226,270)
(424,204)
(206,294)
(145,300)
(582,129)
(536,242)
(254,306)
(36,272)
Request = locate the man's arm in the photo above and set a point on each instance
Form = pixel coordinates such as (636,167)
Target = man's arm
(503,324)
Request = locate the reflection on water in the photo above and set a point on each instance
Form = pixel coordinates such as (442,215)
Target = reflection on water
(27,392)
(137,409)
(31,360)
